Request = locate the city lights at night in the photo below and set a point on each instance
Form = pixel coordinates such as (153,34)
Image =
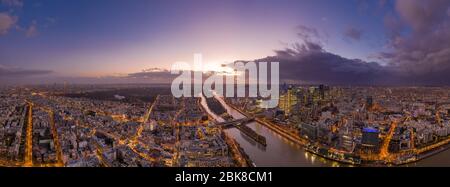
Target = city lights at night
(224,84)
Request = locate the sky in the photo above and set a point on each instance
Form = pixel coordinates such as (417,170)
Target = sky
(318,41)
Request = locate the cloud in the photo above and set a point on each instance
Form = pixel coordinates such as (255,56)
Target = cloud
(363,6)
(421,15)
(312,35)
(308,62)
(393,25)
(49,21)
(423,52)
(19,72)
(152,74)
(353,33)
(382,3)
(307,33)
(6,22)
(32,30)
(12,3)
(146,76)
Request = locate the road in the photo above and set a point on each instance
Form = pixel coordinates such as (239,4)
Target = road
(99,154)
(177,127)
(384,151)
(147,115)
(8,163)
(135,139)
(59,157)
(29,137)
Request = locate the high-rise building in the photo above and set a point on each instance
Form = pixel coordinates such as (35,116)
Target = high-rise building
(346,141)
(287,101)
(322,91)
(369,101)
(370,137)
(309,130)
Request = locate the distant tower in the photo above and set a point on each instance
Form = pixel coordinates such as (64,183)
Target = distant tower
(369,102)
(289,100)
(65,87)
(322,91)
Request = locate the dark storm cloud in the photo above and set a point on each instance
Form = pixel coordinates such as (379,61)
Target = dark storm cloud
(310,63)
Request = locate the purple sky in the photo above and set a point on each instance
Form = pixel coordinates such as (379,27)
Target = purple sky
(317,41)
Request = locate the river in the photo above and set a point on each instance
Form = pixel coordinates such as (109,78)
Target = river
(441,159)
(281,152)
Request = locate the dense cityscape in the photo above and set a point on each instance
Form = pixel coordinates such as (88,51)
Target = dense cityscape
(254,84)
(95,126)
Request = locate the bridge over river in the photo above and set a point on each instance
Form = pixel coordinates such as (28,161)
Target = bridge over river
(241,124)
(234,123)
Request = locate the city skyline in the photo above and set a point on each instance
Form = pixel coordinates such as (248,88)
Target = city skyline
(356,42)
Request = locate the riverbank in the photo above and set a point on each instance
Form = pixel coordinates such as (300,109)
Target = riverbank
(239,155)
(424,155)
